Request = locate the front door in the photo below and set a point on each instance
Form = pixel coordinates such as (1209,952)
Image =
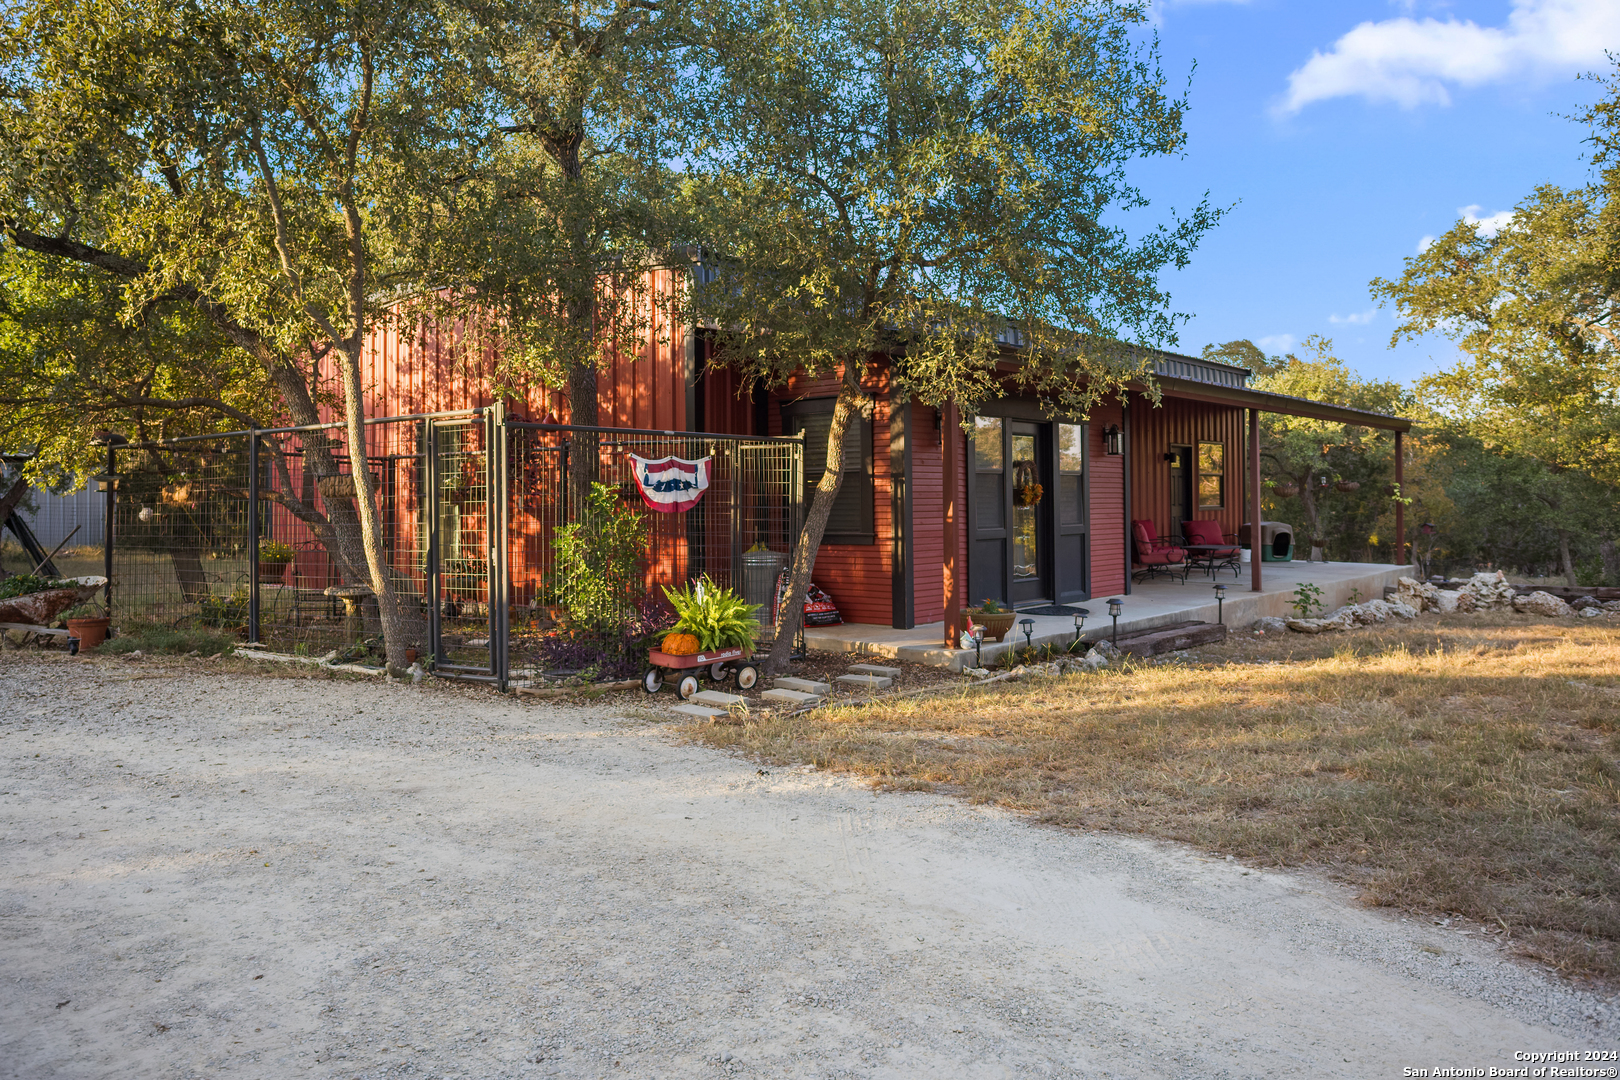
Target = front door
(1030,510)
(1181,504)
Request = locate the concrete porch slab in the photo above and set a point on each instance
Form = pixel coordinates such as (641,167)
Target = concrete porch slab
(1152,603)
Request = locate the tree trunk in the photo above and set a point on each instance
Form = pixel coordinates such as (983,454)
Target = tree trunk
(1307,498)
(12,498)
(1611,561)
(1564,557)
(852,401)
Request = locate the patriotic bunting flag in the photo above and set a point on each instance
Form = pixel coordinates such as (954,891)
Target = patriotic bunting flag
(671,484)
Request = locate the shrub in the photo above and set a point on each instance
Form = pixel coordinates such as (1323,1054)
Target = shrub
(275,551)
(598,575)
(160,639)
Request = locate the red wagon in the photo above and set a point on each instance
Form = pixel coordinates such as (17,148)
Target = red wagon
(719,664)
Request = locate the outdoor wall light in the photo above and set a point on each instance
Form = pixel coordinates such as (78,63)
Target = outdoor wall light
(1114,608)
(1079,622)
(1220,603)
(1029,631)
(1113,441)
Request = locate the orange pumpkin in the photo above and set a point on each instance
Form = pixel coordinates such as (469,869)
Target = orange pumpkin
(681,644)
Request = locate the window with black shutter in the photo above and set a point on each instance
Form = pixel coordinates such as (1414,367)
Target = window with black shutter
(851,519)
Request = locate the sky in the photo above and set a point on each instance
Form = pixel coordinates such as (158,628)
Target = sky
(1343,133)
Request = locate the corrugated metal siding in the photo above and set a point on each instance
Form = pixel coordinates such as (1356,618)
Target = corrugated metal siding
(1108,526)
(1178,422)
(439,369)
(859,576)
(56,516)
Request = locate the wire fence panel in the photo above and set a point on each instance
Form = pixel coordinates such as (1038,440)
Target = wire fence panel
(510,545)
(589,555)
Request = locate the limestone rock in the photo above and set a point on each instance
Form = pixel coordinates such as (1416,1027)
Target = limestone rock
(1489,591)
(1269,624)
(1542,603)
(1402,610)
(1417,594)
(1341,619)
(1094,659)
(1591,612)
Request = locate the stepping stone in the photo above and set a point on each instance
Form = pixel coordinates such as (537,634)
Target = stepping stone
(803,686)
(717,699)
(780,696)
(875,669)
(702,712)
(868,682)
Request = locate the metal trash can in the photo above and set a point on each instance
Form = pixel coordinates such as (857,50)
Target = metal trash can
(759,573)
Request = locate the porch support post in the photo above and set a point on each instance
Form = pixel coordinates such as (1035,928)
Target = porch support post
(1400,505)
(950,437)
(1254,500)
(253,537)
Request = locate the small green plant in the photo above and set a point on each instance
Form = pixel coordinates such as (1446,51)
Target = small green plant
(990,607)
(1355,596)
(716,616)
(274,551)
(224,610)
(90,610)
(23,584)
(1307,600)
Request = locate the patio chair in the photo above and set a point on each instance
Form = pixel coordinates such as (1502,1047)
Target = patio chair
(1156,556)
(1226,556)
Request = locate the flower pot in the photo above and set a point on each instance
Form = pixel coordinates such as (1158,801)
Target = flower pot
(272,573)
(90,632)
(1348,485)
(1286,489)
(995,626)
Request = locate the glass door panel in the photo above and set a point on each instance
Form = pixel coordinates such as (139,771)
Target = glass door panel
(1027,496)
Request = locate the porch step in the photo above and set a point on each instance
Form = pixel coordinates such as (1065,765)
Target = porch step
(779,696)
(1162,639)
(716,698)
(803,686)
(865,682)
(701,712)
(875,669)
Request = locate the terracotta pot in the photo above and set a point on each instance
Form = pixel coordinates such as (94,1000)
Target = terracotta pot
(273,573)
(995,626)
(90,632)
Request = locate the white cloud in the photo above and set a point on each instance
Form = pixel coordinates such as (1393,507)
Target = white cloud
(1485,226)
(1412,62)
(1276,343)
(1425,243)
(1360,318)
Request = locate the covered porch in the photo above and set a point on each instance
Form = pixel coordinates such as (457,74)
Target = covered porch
(1151,603)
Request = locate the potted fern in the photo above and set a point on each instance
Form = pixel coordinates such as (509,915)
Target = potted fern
(714,627)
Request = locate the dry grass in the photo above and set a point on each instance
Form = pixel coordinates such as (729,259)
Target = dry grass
(1466,765)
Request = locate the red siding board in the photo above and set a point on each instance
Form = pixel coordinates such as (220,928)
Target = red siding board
(1107,528)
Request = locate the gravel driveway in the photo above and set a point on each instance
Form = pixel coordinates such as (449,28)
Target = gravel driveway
(210,875)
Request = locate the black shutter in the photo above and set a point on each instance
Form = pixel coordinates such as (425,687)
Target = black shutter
(851,518)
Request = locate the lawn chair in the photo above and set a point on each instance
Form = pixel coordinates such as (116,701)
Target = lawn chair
(1223,555)
(1156,556)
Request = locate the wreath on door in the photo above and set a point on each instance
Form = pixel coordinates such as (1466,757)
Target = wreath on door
(1025,490)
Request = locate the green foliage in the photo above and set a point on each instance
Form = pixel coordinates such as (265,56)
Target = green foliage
(275,551)
(87,610)
(232,610)
(598,576)
(155,639)
(716,616)
(1307,600)
(990,607)
(22,584)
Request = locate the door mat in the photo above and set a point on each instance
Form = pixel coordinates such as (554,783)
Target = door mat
(1050,609)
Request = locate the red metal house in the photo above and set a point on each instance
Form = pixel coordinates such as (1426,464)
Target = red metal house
(1030,509)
